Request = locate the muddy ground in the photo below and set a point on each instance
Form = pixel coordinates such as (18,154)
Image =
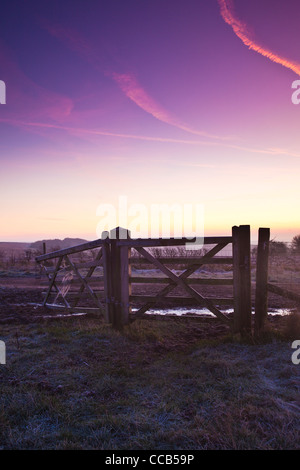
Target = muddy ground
(20,303)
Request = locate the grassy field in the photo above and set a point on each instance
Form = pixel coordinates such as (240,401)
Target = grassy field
(176,384)
(77,384)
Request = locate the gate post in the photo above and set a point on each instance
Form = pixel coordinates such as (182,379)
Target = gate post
(241,280)
(261,291)
(106,262)
(120,277)
(236,279)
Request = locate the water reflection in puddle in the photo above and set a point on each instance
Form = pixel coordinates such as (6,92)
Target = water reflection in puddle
(205,312)
(179,311)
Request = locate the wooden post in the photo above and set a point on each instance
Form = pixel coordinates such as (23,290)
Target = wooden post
(245,273)
(261,292)
(114,276)
(120,277)
(44,248)
(236,279)
(125,280)
(106,262)
(242,280)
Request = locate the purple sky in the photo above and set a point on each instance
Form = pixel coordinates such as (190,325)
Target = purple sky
(161,101)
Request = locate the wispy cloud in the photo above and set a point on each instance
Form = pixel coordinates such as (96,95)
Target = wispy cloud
(135,92)
(82,132)
(41,110)
(241,30)
(79,131)
(127,82)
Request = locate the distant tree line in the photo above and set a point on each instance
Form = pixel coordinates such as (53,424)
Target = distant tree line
(296,244)
(282,248)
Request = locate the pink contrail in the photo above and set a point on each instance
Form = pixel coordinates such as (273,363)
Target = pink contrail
(240,29)
(134,91)
(83,131)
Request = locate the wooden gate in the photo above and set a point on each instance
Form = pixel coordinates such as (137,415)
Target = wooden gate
(106,276)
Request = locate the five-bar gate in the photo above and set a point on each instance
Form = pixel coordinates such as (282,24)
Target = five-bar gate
(99,274)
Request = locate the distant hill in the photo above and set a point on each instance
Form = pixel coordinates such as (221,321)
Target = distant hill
(56,244)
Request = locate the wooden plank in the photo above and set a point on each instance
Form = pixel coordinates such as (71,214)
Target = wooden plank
(71,250)
(76,282)
(164,280)
(261,292)
(148,242)
(283,292)
(153,299)
(73,294)
(93,280)
(186,260)
(180,282)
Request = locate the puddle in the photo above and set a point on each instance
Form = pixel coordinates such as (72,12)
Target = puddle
(179,311)
(205,312)
(59,315)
